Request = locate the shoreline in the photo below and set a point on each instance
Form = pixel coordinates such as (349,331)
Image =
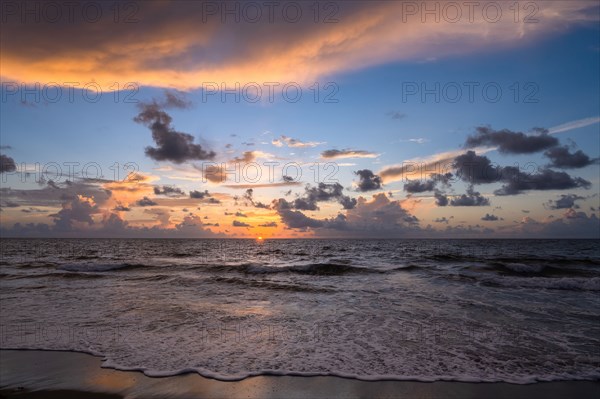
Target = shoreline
(67,374)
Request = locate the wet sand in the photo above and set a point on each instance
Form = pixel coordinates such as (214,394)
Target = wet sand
(49,374)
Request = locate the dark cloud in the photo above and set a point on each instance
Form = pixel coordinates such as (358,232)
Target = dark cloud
(176,99)
(168,191)
(199,194)
(241,215)
(418,186)
(121,208)
(146,202)
(298,220)
(545,179)
(323,192)
(489,218)
(572,224)
(396,115)
(237,223)
(33,210)
(368,181)
(442,220)
(476,169)
(77,210)
(471,198)
(7,164)
(53,185)
(564,202)
(440,198)
(509,142)
(268,224)
(249,197)
(561,157)
(379,217)
(172,145)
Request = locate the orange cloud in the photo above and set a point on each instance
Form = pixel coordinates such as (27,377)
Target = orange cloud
(178,47)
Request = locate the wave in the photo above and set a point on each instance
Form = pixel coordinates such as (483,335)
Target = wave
(98,267)
(271,285)
(57,275)
(520,377)
(324,269)
(551,283)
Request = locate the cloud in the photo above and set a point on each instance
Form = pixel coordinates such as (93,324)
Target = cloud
(565,127)
(185,47)
(294,143)
(172,145)
(111,225)
(417,186)
(489,218)
(471,198)
(213,173)
(168,191)
(396,115)
(477,169)
(78,210)
(237,223)
(509,142)
(146,202)
(564,201)
(176,99)
(368,181)
(199,194)
(421,168)
(347,153)
(572,224)
(561,157)
(419,140)
(57,194)
(121,208)
(545,179)
(247,157)
(442,220)
(440,198)
(340,154)
(323,192)
(298,220)
(249,197)
(268,224)
(34,210)
(378,217)
(7,164)
(258,185)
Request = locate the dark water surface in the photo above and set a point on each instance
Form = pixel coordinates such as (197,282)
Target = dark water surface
(469,310)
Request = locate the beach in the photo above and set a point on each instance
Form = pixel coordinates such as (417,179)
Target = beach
(54,374)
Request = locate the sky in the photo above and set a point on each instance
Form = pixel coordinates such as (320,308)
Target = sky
(306,119)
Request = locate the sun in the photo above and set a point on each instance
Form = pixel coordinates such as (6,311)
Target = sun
(259,238)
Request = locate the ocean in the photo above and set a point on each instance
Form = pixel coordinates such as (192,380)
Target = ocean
(516,311)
